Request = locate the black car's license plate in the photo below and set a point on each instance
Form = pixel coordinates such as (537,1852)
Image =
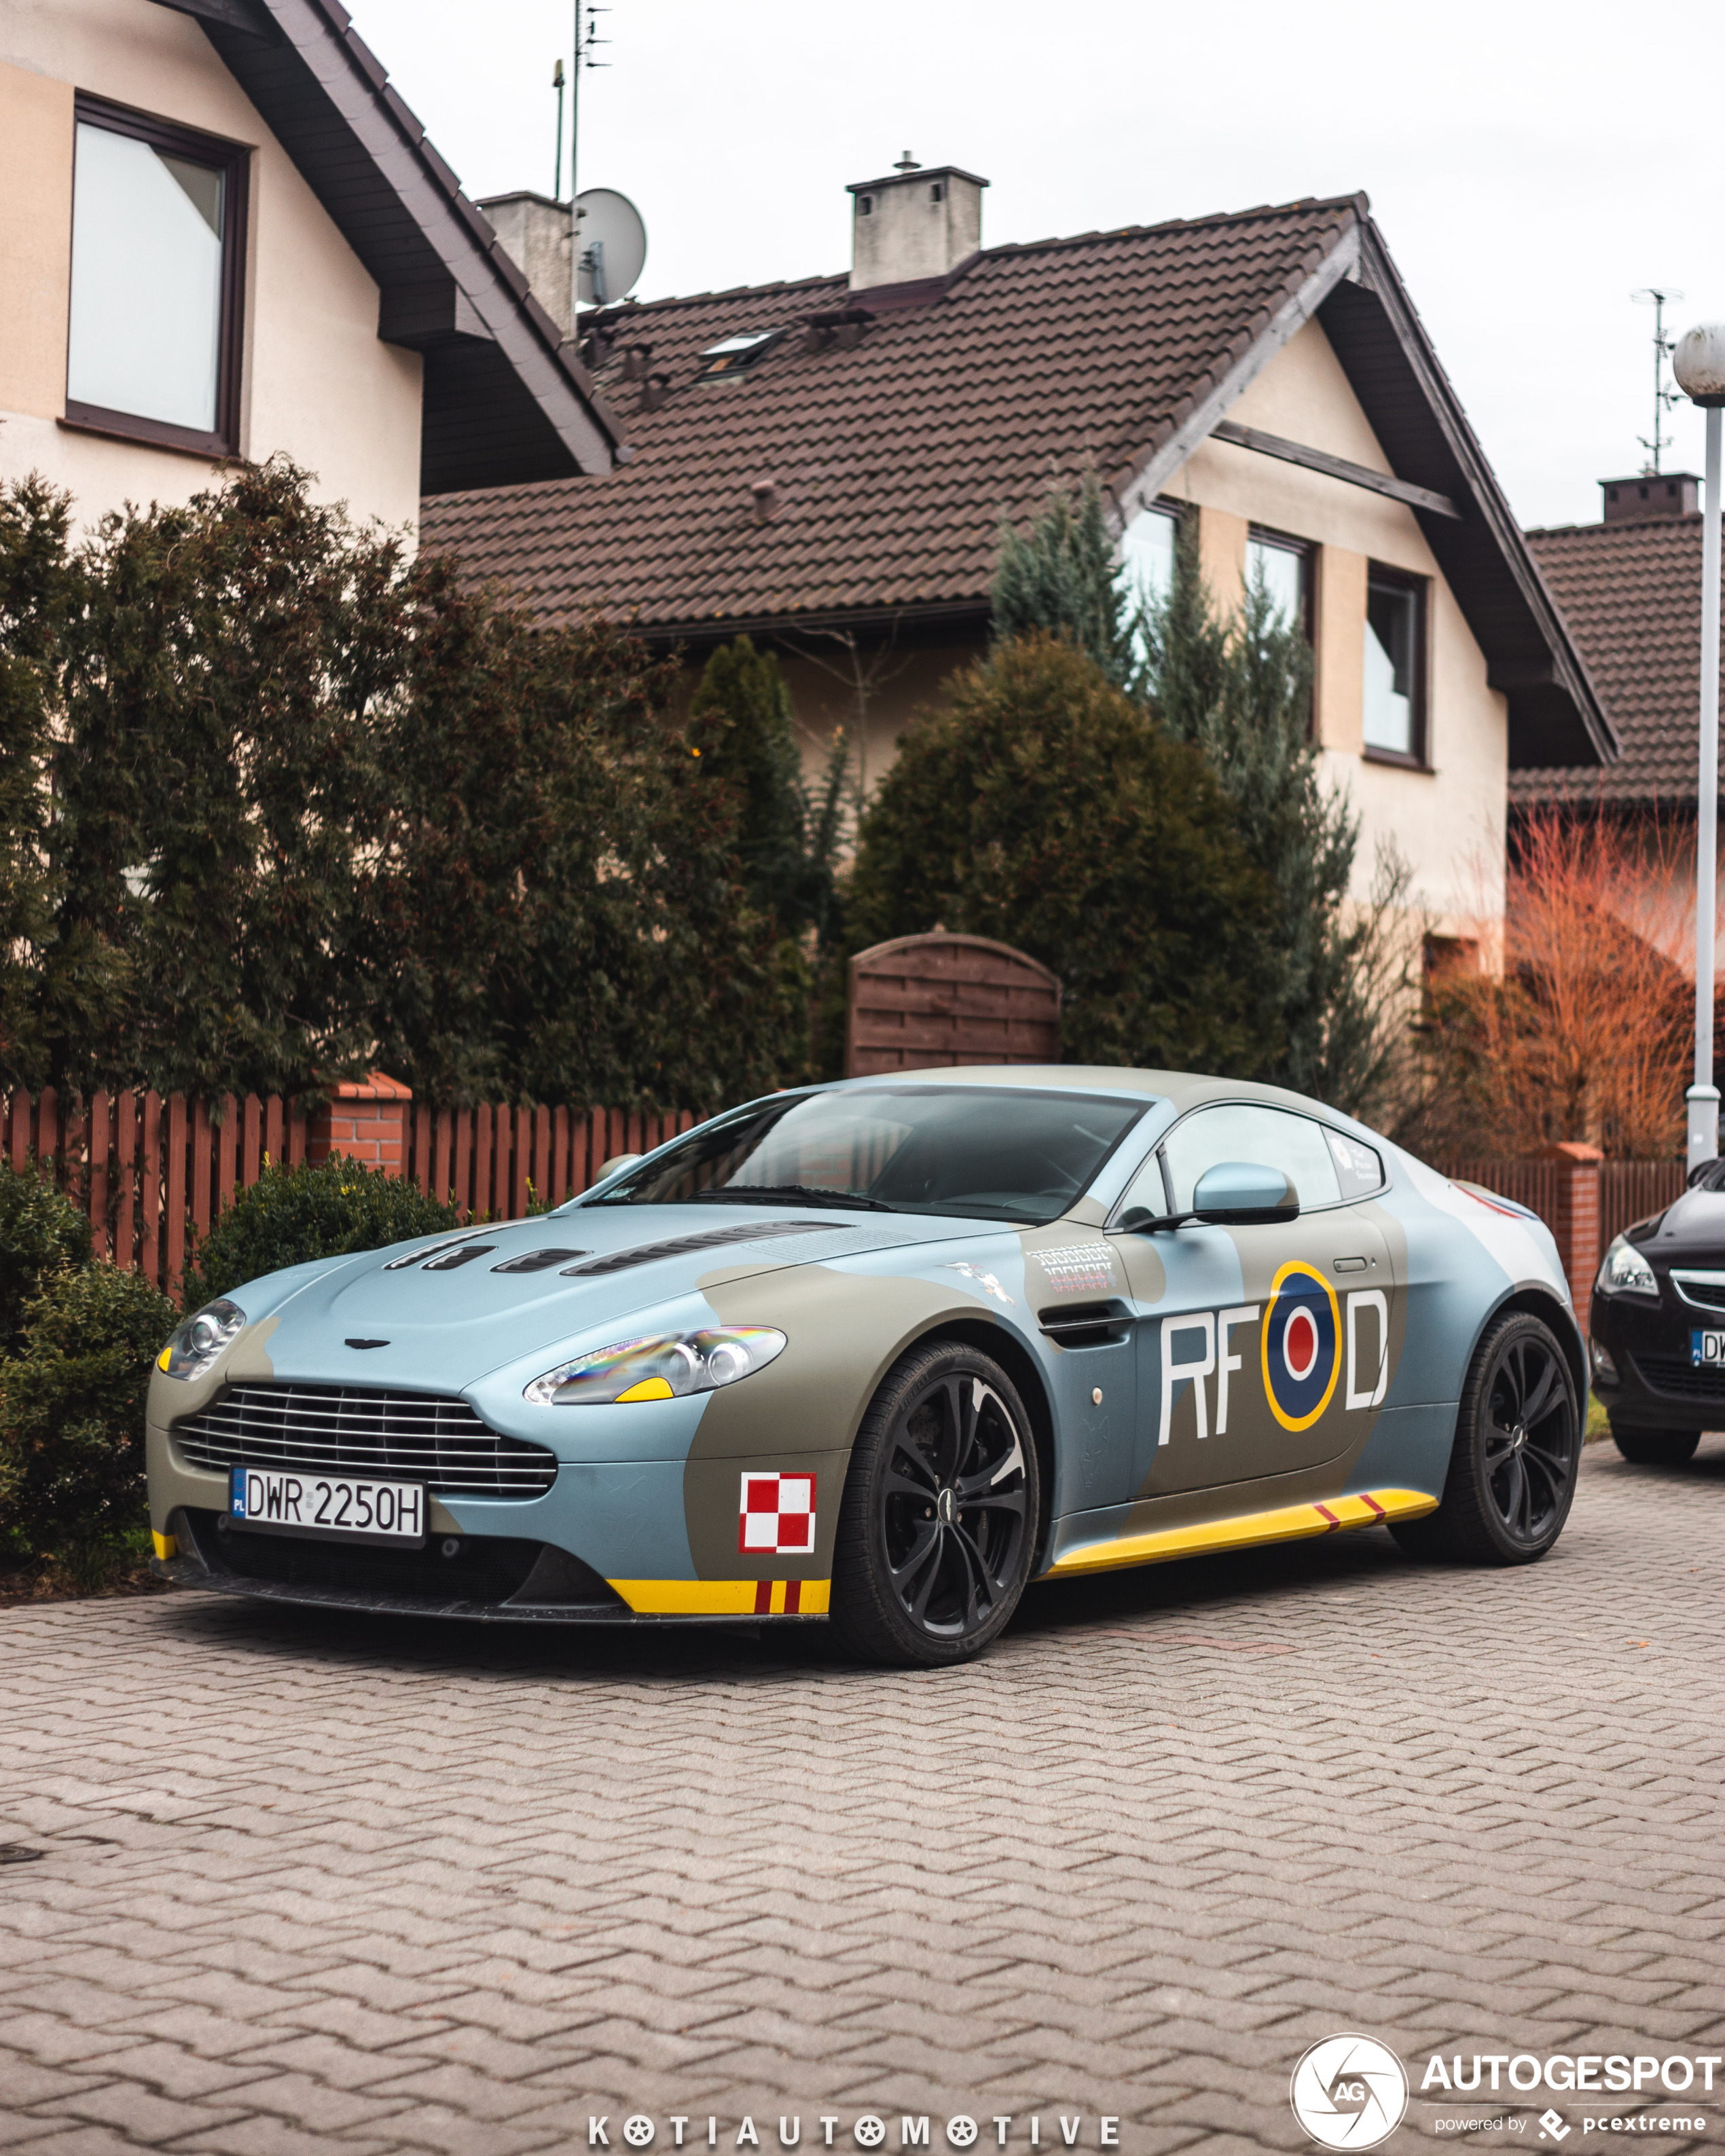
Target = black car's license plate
(1707,1349)
(340,1507)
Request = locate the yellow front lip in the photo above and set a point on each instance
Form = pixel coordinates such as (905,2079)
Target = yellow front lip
(1285,1523)
(723,1598)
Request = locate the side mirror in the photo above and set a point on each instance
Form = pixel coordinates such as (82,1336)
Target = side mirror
(1234,1194)
(617,1160)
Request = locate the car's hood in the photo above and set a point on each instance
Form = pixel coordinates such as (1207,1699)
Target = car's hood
(1692,1227)
(441,1312)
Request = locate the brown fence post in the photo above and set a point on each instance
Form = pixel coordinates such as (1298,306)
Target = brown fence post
(150,1253)
(273,1128)
(125,1255)
(47,1133)
(176,1265)
(99,1113)
(1577,1224)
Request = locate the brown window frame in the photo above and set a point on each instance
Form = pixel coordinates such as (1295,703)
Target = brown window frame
(1290,543)
(1405,580)
(233,159)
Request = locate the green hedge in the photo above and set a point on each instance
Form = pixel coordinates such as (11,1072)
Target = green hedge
(72,1420)
(41,1233)
(291,1215)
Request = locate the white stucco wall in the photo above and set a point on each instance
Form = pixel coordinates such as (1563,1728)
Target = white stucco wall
(316,383)
(1448,821)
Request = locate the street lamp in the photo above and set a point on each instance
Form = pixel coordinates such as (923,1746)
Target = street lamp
(1699,364)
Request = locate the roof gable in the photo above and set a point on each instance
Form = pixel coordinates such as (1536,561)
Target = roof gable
(502,402)
(861,468)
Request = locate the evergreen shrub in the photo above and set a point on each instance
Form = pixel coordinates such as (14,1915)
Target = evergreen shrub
(41,1233)
(290,1216)
(72,1420)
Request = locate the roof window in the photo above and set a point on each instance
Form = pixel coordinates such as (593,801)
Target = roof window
(737,354)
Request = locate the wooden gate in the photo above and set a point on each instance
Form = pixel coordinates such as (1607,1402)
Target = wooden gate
(940,999)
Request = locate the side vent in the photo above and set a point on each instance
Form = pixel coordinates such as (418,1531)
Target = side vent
(1086,1324)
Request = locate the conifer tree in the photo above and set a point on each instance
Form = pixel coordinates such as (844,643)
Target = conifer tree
(1060,577)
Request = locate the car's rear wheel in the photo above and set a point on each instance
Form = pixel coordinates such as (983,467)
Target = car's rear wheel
(1656,1448)
(1512,1474)
(938,1524)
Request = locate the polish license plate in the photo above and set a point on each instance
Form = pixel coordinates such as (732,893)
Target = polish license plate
(1707,1350)
(340,1507)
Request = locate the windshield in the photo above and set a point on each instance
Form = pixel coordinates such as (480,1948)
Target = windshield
(997,1153)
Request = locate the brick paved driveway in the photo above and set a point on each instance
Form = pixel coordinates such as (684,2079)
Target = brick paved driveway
(321,1886)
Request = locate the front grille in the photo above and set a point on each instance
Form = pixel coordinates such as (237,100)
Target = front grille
(1705,1291)
(343,1429)
(1680,1380)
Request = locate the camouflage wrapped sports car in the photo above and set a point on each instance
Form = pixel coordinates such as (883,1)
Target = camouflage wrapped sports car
(882,1353)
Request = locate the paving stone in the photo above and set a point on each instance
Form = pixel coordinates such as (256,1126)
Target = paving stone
(419,1888)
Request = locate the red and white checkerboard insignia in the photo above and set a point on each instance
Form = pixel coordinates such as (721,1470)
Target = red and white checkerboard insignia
(778,1514)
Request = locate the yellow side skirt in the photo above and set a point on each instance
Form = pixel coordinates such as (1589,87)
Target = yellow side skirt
(726,1598)
(1287,1523)
(166,1545)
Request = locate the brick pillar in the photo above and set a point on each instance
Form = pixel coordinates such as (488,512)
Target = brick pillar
(1577,1224)
(367,1121)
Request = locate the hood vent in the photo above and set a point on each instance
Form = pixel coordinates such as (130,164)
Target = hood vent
(680,1246)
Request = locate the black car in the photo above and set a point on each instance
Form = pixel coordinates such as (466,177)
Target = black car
(1658,1325)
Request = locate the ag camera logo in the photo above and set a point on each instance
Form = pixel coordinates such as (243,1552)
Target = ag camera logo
(1349,2091)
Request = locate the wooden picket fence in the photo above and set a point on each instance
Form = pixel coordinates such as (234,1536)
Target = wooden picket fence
(145,1169)
(148,1170)
(1628,1189)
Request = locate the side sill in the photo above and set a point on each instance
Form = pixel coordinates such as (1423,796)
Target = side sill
(1285,1523)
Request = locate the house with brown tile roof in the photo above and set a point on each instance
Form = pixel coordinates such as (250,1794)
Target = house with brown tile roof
(1630,588)
(223,236)
(827,463)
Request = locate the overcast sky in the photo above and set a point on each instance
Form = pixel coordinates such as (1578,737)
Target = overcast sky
(1530,163)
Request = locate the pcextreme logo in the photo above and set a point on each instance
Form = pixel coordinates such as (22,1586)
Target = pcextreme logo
(1349,2091)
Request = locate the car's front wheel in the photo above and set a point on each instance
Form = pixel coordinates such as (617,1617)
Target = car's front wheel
(1518,1446)
(939,1525)
(1656,1448)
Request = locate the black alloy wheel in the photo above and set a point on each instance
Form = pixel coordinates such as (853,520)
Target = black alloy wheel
(1656,1448)
(1511,1476)
(939,1525)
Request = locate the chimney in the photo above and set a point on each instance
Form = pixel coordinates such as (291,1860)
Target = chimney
(913,224)
(1650,494)
(535,233)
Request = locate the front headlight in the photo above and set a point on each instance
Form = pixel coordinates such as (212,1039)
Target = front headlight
(193,1347)
(1625,1271)
(666,1366)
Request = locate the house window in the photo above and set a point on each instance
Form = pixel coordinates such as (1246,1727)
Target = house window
(1395,667)
(1149,549)
(159,234)
(1285,565)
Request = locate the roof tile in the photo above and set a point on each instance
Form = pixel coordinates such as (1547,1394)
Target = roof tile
(893,461)
(1631,593)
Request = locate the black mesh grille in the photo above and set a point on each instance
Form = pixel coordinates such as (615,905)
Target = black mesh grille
(1704,1294)
(1680,1380)
(340,1429)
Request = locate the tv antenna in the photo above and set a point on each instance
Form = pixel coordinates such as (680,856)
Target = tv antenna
(1653,295)
(557,183)
(587,42)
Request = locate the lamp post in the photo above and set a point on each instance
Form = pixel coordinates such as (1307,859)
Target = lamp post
(1699,364)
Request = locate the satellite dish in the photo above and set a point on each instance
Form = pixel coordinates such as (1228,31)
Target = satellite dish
(613,243)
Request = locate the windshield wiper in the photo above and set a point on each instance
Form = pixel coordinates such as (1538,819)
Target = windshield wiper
(774,1194)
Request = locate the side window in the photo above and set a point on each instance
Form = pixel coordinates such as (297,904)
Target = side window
(1267,1137)
(1359,1170)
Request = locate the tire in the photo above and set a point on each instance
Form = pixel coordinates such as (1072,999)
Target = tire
(1511,1476)
(1656,1448)
(937,1529)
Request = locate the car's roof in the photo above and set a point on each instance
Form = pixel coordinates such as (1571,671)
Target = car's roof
(1181,1088)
